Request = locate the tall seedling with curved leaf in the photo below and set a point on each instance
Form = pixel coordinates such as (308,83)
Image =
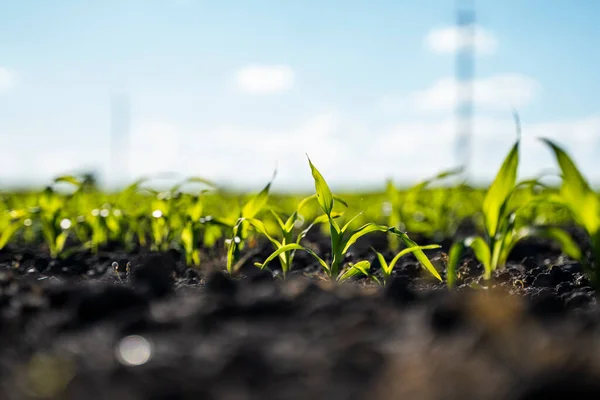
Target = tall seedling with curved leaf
(583,203)
(492,249)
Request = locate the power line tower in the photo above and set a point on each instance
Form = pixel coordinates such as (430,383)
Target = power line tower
(465,67)
(120,130)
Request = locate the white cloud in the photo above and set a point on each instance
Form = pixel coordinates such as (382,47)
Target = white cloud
(407,151)
(497,92)
(450,39)
(264,79)
(7,78)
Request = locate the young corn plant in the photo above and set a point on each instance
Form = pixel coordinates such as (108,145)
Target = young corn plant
(286,235)
(492,249)
(342,238)
(193,223)
(386,269)
(240,227)
(582,202)
(503,229)
(10,223)
(172,219)
(55,224)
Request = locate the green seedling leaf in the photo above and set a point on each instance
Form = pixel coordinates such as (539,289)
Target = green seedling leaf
(324,195)
(564,240)
(319,259)
(60,242)
(318,220)
(421,257)
(231,250)
(279,220)
(448,173)
(382,262)
(576,192)
(500,189)
(280,250)
(308,199)
(8,232)
(260,227)
(292,247)
(73,180)
(482,253)
(388,268)
(363,230)
(340,200)
(453,259)
(409,250)
(256,203)
(188,241)
(305,201)
(349,222)
(361,267)
(291,222)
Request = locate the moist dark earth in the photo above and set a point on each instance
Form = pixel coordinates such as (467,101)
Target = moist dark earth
(74,329)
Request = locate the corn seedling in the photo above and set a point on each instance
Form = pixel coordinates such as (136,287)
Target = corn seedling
(286,232)
(241,226)
(503,227)
(342,238)
(493,248)
(577,196)
(54,223)
(386,269)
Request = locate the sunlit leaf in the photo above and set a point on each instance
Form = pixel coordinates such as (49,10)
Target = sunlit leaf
(291,222)
(260,227)
(453,258)
(409,250)
(358,233)
(345,227)
(575,190)
(68,179)
(324,195)
(361,267)
(256,203)
(482,253)
(8,232)
(499,190)
(421,257)
(564,240)
(278,219)
(277,252)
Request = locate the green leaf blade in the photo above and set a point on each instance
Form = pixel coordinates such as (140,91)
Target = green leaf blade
(482,253)
(576,192)
(453,258)
(500,189)
(361,267)
(419,254)
(358,233)
(324,195)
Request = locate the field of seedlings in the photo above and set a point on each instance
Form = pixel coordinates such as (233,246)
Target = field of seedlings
(437,291)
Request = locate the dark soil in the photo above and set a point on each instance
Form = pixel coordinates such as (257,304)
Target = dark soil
(74,329)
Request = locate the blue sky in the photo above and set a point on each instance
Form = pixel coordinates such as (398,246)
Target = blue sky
(226,89)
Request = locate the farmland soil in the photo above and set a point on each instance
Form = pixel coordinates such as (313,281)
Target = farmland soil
(78,329)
